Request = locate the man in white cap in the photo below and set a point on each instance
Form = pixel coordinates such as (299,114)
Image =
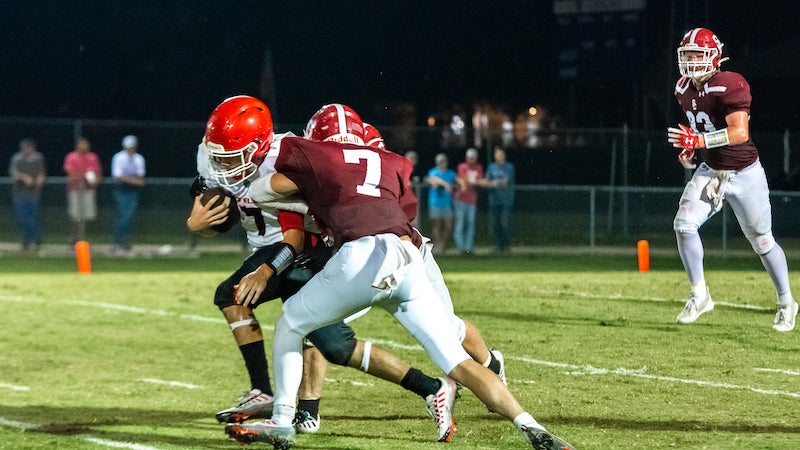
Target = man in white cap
(128,171)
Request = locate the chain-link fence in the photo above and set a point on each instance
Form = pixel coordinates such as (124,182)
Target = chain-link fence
(575,187)
(543,216)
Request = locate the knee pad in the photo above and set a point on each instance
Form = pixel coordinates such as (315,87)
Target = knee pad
(336,342)
(762,243)
(223,297)
(682,225)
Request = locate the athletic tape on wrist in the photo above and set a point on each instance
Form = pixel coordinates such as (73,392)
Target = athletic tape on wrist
(365,356)
(716,138)
(242,323)
(282,259)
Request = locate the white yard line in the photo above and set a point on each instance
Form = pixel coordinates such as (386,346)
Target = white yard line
(782,371)
(85,437)
(14,387)
(571,368)
(559,294)
(171,383)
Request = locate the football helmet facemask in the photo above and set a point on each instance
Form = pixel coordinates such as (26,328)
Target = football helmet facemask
(704,41)
(335,123)
(372,137)
(238,135)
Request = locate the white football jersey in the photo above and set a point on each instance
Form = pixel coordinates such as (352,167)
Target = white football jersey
(261,225)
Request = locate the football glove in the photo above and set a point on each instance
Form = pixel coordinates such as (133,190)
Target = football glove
(198,186)
(314,259)
(686,158)
(683,137)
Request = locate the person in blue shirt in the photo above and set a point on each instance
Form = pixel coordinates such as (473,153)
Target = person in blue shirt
(440,180)
(500,181)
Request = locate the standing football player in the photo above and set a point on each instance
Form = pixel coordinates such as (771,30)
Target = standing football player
(717,107)
(239,146)
(347,187)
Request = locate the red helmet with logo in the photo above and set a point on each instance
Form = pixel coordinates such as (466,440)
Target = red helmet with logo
(238,135)
(372,137)
(335,123)
(708,45)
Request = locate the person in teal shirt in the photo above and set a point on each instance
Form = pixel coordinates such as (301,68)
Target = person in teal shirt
(440,180)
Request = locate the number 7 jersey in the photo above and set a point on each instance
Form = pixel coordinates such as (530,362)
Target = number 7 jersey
(353,190)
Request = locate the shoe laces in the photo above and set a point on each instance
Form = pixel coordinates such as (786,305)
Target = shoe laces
(252,396)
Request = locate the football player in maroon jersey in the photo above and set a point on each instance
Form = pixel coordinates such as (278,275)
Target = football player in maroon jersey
(358,193)
(239,146)
(717,108)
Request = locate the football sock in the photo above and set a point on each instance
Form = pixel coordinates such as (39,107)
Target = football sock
(419,383)
(312,406)
(777,268)
(527,420)
(255,359)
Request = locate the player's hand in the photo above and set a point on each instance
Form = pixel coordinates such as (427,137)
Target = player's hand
(314,259)
(252,285)
(686,158)
(204,217)
(683,137)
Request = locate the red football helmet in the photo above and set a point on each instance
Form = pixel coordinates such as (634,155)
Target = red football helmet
(335,123)
(238,135)
(704,41)
(373,137)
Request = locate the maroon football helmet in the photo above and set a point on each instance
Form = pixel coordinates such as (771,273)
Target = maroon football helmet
(705,42)
(335,123)
(372,137)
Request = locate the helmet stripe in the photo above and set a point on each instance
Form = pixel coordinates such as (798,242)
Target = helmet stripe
(340,117)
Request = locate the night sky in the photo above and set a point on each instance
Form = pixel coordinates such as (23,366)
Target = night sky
(175,60)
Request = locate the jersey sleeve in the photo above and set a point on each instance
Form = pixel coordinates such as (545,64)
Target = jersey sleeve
(737,97)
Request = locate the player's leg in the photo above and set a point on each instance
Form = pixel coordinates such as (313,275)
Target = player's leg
(440,394)
(249,339)
(344,287)
(749,200)
(415,306)
(307,419)
(694,208)
(468,333)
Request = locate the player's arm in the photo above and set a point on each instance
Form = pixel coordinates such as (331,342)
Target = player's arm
(736,132)
(252,285)
(270,188)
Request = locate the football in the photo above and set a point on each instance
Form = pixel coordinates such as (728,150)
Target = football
(233,208)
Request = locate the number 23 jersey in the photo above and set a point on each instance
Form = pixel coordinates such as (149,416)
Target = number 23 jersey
(706,108)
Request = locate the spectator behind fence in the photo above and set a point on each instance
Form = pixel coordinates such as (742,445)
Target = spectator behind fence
(84,174)
(469,175)
(128,170)
(412,156)
(27,171)
(440,202)
(500,178)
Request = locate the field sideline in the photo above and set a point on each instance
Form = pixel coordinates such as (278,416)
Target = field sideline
(136,356)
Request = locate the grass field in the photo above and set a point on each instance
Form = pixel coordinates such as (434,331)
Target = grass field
(136,356)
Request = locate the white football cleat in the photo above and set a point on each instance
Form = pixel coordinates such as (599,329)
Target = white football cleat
(252,405)
(695,307)
(440,408)
(269,431)
(784,318)
(305,423)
